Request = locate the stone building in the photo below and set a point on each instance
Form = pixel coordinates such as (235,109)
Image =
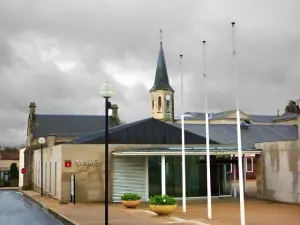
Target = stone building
(58,129)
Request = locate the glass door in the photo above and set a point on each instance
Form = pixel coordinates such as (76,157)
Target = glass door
(173,176)
(225,179)
(154,175)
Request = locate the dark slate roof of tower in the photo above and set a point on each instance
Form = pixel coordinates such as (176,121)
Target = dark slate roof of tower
(161,77)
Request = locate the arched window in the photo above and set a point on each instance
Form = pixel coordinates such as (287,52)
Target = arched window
(168,105)
(159,103)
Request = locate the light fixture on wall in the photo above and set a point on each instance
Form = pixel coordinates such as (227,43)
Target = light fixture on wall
(42,141)
(106,90)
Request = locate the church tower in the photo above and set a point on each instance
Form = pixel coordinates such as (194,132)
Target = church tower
(162,94)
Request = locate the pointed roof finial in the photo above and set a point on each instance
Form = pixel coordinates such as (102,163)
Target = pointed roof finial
(160,31)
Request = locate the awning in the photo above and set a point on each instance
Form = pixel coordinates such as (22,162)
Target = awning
(188,151)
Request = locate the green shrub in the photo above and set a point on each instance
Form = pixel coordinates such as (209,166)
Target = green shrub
(162,200)
(14,172)
(130,197)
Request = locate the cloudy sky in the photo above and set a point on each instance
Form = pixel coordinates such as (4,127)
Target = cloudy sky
(57,53)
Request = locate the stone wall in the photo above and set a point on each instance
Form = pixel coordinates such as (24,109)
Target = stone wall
(279,166)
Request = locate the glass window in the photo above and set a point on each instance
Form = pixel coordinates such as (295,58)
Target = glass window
(154,175)
(173,176)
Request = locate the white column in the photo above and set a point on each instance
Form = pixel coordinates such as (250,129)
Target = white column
(163,175)
(234,179)
(183,166)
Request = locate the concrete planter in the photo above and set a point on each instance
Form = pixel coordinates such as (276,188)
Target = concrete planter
(131,204)
(163,209)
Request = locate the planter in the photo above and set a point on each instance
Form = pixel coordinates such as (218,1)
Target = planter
(163,209)
(131,204)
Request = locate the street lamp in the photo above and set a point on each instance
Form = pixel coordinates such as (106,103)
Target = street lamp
(42,141)
(106,90)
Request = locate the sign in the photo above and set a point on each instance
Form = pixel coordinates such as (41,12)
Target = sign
(23,170)
(72,188)
(68,163)
(86,162)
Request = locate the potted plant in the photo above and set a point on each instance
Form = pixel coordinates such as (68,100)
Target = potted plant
(130,200)
(162,204)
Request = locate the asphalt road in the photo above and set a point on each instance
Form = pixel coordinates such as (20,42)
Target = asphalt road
(18,210)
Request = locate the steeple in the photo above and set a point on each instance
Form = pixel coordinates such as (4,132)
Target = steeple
(162,94)
(161,76)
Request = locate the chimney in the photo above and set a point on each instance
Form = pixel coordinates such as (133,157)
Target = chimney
(115,114)
(32,107)
(51,140)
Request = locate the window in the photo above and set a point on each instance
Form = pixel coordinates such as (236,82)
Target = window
(249,164)
(50,177)
(152,104)
(55,177)
(168,105)
(159,103)
(45,178)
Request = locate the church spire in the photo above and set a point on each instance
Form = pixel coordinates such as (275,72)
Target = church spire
(161,77)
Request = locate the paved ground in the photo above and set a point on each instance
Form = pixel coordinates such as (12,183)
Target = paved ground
(225,212)
(17,210)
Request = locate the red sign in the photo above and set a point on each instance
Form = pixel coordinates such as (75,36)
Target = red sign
(68,163)
(23,170)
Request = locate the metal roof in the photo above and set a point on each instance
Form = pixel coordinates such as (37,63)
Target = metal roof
(161,76)
(286,116)
(227,133)
(219,115)
(146,131)
(197,150)
(67,125)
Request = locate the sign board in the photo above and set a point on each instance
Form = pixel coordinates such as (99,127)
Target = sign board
(86,162)
(73,194)
(23,170)
(68,163)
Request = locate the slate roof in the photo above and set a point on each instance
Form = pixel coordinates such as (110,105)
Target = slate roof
(146,131)
(161,76)
(287,116)
(219,115)
(227,133)
(67,125)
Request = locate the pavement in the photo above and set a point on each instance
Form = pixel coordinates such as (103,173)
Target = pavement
(93,214)
(224,212)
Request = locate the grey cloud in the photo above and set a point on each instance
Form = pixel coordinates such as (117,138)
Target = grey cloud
(267,41)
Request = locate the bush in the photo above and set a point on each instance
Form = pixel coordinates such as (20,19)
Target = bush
(130,197)
(162,200)
(14,172)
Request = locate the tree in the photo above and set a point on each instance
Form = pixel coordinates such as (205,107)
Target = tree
(292,107)
(13,171)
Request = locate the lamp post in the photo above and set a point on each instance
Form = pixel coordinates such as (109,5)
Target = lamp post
(106,90)
(42,141)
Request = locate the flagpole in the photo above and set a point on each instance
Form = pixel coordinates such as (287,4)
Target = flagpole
(208,181)
(183,142)
(238,127)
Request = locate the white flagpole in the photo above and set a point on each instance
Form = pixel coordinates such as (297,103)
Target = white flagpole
(183,144)
(238,127)
(209,211)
